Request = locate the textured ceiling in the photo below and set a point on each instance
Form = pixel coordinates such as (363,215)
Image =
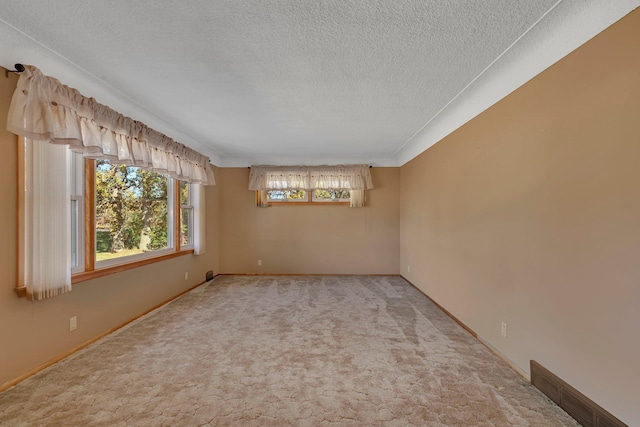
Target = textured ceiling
(296,81)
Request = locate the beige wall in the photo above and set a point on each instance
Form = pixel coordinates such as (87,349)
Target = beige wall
(309,239)
(530,214)
(32,333)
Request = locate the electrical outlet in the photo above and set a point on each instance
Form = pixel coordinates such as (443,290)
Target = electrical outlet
(408,269)
(73,323)
(186,275)
(504,329)
(259,262)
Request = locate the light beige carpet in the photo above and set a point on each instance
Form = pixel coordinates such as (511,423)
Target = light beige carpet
(285,351)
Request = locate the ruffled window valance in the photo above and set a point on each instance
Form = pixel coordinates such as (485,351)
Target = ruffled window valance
(354,178)
(42,108)
(340,177)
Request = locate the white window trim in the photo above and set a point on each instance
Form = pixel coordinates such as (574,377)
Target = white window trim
(76,187)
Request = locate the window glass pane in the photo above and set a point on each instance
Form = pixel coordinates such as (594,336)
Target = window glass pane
(76,182)
(131,211)
(287,196)
(186,226)
(331,195)
(184,193)
(74,233)
(277,195)
(186,215)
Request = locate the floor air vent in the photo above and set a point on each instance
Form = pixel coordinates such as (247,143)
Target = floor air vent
(576,404)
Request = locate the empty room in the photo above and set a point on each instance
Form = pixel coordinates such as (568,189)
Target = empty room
(315,213)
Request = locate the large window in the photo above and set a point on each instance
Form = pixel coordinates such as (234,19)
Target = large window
(104,218)
(122,216)
(126,215)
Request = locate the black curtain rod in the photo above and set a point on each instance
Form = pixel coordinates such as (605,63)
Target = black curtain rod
(18,69)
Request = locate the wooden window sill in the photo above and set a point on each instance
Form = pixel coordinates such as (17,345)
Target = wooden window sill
(88,275)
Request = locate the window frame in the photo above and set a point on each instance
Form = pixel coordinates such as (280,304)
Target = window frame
(76,186)
(93,269)
(192,215)
(310,200)
(330,201)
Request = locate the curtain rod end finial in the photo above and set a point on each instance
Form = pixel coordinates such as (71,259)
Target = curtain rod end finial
(18,69)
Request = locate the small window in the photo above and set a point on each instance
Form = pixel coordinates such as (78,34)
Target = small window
(307,197)
(287,196)
(331,195)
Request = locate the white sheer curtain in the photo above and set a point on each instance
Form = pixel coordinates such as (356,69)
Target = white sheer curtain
(199,226)
(354,178)
(46,248)
(42,108)
(357,198)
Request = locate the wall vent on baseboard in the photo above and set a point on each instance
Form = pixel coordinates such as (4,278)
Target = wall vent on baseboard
(576,404)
